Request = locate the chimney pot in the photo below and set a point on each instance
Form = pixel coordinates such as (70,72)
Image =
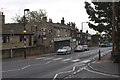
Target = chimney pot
(86,31)
(63,21)
(44,19)
(81,31)
(50,20)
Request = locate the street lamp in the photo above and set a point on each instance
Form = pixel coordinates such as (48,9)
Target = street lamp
(24,31)
(99,45)
(82,25)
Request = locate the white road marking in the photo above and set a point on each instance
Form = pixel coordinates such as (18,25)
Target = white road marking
(74,68)
(17,69)
(85,61)
(76,60)
(11,70)
(48,58)
(57,59)
(48,62)
(67,59)
(79,70)
(40,58)
(55,76)
(25,67)
(63,72)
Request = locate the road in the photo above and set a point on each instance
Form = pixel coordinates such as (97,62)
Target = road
(52,66)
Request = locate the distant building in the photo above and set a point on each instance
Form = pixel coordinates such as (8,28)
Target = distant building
(94,40)
(83,38)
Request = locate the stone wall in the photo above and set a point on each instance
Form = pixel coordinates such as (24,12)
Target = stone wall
(29,51)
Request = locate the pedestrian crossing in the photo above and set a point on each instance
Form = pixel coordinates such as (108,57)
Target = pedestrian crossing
(58,59)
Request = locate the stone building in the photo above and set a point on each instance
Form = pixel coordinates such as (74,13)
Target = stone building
(13,36)
(43,34)
(62,35)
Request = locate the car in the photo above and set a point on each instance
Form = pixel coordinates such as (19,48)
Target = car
(79,48)
(64,50)
(86,48)
(110,44)
(103,45)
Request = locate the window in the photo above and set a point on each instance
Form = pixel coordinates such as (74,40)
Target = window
(21,38)
(58,32)
(49,32)
(66,32)
(6,39)
(43,32)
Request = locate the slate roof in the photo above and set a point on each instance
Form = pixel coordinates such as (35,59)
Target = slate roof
(58,25)
(17,29)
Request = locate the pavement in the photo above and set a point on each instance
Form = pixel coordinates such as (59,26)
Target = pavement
(106,65)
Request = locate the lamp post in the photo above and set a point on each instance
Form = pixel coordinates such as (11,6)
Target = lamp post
(99,46)
(82,25)
(25,33)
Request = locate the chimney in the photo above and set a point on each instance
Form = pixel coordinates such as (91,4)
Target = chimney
(86,31)
(81,31)
(68,24)
(44,19)
(2,17)
(63,21)
(50,20)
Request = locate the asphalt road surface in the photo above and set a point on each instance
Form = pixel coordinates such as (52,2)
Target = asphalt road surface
(53,66)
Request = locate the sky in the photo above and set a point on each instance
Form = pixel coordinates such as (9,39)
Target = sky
(71,10)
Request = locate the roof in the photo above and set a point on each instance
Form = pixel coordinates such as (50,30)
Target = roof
(84,33)
(57,25)
(16,28)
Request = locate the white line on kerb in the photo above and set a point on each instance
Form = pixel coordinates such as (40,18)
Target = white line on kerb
(100,72)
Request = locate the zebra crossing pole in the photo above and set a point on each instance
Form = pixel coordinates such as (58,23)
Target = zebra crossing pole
(25,33)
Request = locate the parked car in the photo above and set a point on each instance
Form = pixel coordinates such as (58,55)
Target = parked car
(64,50)
(103,45)
(110,44)
(86,48)
(79,48)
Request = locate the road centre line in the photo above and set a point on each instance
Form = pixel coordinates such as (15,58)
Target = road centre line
(17,69)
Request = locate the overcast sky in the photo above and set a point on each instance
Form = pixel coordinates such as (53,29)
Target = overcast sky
(71,10)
